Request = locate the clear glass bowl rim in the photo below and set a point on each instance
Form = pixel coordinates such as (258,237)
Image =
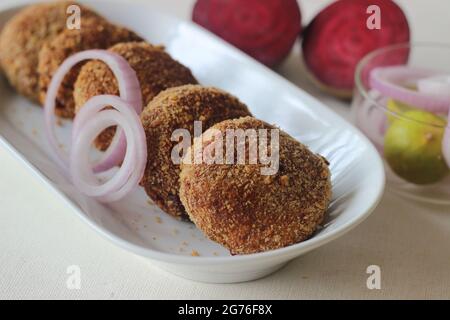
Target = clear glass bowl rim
(362,90)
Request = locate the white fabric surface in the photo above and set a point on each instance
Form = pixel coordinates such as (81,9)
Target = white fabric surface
(40,237)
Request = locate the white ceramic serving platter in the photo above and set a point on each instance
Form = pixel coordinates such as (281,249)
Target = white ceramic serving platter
(135,224)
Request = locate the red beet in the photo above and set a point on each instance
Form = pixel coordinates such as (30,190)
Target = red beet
(338,37)
(264,29)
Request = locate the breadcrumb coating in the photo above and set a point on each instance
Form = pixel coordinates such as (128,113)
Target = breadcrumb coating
(94,34)
(247,212)
(155,68)
(178,108)
(23,37)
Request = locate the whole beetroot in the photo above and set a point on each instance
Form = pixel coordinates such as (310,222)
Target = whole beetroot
(338,38)
(266,30)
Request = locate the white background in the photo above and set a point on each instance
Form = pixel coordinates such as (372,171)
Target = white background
(40,238)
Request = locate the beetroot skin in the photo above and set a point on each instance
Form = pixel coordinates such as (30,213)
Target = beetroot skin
(266,30)
(338,38)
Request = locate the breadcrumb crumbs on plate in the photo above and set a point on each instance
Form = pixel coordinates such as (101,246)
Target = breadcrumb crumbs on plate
(158,219)
(195,253)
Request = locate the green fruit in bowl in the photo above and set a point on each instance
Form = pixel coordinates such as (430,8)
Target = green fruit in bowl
(397,107)
(413,148)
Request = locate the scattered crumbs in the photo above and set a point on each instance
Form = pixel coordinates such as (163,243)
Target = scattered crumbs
(150,202)
(215,253)
(181,249)
(59,122)
(184,243)
(61,146)
(175,231)
(154,238)
(34,132)
(145,226)
(304,277)
(158,220)
(193,235)
(191,227)
(195,253)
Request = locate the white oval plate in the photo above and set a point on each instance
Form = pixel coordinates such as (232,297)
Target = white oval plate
(136,224)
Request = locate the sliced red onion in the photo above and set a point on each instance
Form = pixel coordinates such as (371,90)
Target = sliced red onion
(372,120)
(129,91)
(113,155)
(438,85)
(91,120)
(391,81)
(446,142)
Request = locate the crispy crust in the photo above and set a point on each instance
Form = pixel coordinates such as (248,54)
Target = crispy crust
(247,212)
(24,35)
(155,69)
(93,34)
(178,108)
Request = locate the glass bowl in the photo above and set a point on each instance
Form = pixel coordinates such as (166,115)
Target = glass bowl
(407,139)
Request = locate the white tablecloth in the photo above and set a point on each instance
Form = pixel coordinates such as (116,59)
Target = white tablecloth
(40,238)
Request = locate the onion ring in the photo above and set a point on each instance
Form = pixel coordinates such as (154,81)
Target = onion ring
(446,142)
(129,89)
(372,121)
(438,85)
(133,166)
(388,81)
